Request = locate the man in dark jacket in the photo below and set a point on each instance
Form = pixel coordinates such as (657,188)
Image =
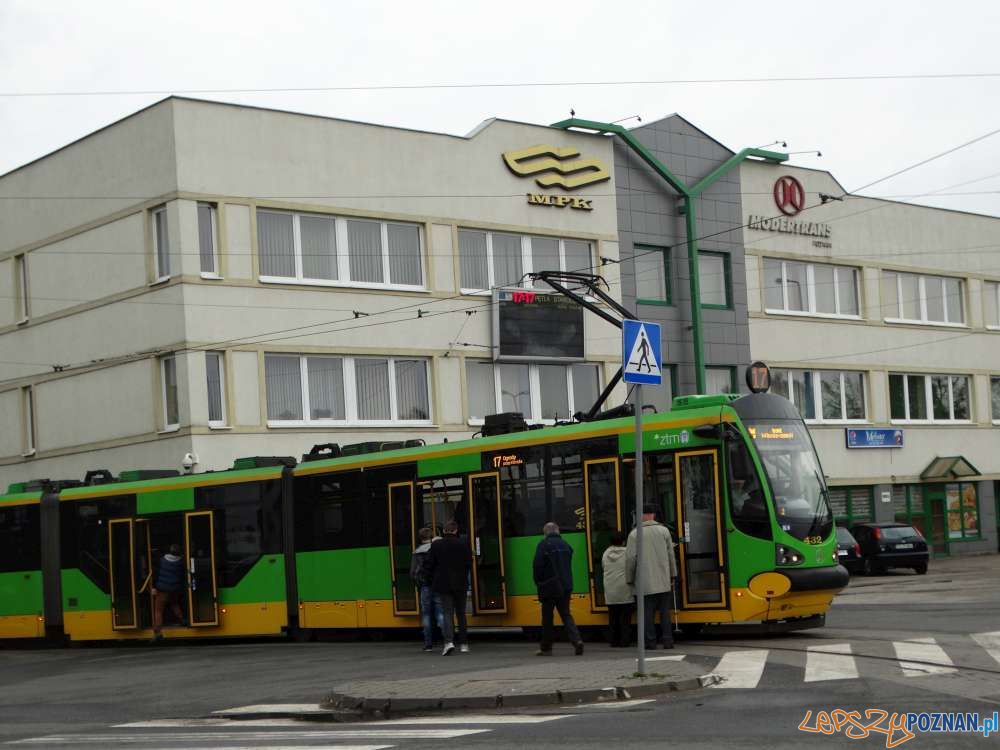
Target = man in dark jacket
(448,564)
(167,589)
(554,580)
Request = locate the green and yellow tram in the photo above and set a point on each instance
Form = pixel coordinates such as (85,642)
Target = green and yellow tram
(276,546)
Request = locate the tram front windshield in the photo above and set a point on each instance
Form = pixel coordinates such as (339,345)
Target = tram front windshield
(802,506)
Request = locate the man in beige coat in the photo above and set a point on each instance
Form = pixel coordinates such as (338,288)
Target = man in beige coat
(659,569)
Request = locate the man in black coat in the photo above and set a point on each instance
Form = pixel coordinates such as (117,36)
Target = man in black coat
(448,563)
(554,579)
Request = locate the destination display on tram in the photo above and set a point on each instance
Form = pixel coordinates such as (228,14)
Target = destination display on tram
(530,326)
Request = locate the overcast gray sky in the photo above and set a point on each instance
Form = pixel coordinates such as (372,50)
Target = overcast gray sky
(865,129)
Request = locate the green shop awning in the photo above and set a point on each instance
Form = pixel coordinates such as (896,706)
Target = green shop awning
(949,467)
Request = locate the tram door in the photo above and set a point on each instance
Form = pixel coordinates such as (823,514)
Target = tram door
(199,543)
(402,542)
(700,551)
(489,588)
(602,517)
(143,556)
(121,570)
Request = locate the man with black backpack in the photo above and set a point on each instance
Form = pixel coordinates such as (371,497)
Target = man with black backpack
(429,611)
(554,580)
(448,564)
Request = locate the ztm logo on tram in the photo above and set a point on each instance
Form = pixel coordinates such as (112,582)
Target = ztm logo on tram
(789,195)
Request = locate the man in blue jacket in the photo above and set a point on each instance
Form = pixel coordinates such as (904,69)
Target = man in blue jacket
(554,579)
(170,583)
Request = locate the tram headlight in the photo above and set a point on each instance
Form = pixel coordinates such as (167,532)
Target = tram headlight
(784,556)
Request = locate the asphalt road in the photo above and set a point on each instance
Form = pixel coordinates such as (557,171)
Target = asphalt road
(900,643)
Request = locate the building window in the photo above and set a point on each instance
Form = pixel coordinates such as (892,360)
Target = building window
(303,390)
(208,240)
(928,398)
(161,243)
(991,293)
(494,259)
(823,395)
(995,397)
(542,393)
(810,288)
(652,275)
(720,380)
(215,373)
(333,251)
(168,377)
(28,408)
(914,298)
(852,505)
(714,277)
(21,288)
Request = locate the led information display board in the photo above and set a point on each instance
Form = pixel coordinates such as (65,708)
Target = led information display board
(531,326)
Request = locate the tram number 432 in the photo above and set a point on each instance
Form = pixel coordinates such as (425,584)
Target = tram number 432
(813,540)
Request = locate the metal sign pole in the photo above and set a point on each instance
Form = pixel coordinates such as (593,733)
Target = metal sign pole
(640,606)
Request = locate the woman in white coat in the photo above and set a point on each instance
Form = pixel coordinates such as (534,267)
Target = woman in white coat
(618,594)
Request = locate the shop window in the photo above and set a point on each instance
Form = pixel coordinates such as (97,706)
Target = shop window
(542,393)
(652,275)
(494,259)
(303,390)
(810,288)
(916,298)
(928,398)
(720,380)
(334,251)
(962,503)
(208,240)
(714,279)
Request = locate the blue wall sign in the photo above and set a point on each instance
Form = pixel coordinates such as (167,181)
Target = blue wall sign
(859,437)
(641,352)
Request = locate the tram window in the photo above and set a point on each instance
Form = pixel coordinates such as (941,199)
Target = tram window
(567,488)
(20,538)
(84,535)
(523,495)
(247,522)
(747,506)
(658,489)
(443,500)
(330,511)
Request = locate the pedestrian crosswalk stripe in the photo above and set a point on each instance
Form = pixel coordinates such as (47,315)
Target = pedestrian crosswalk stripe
(290,722)
(674,657)
(216,737)
(831,662)
(273,747)
(916,650)
(619,704)
(274,708)
(741,669)
(990,642)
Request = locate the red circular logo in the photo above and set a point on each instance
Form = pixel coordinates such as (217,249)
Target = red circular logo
(789,195)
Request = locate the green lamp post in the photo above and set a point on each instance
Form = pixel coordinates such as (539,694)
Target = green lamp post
(689,194)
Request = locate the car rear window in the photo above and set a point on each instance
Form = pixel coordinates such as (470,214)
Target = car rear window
(844,536)
(899,533)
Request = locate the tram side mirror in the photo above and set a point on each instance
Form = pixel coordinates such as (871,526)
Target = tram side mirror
(708,432)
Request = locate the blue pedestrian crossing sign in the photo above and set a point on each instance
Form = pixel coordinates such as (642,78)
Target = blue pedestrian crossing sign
(641,359)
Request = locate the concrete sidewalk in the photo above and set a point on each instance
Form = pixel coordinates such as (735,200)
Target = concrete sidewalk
(545,682)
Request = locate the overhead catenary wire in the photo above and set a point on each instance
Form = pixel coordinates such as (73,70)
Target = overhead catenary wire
(507,85)
(154,352)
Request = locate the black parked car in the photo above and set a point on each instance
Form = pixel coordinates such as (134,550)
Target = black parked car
(891,545)
(849,551)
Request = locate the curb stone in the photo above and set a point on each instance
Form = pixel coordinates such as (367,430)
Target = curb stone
(364,707)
